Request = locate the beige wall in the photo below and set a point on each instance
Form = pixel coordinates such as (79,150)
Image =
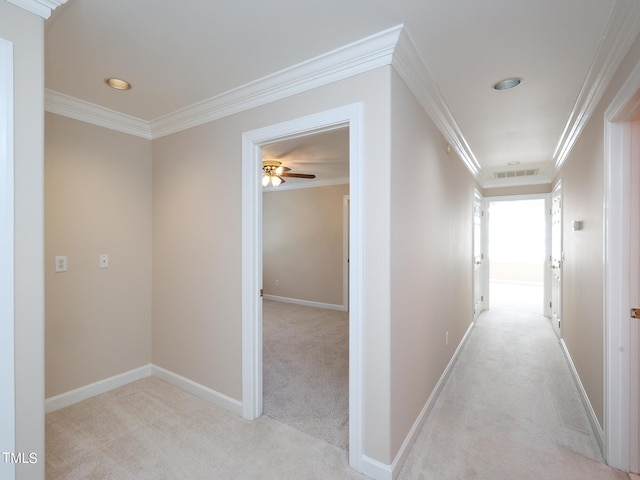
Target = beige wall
(197,233)
(97,201)
(26,31)
(517,272)
(520,190)
(583,192)
(302,231)
(431,245)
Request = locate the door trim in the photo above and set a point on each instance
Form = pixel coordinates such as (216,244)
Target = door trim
(618,441)
(548,309)
(345,252)
(487,218)
(7,253)
(478,275)
(350,116)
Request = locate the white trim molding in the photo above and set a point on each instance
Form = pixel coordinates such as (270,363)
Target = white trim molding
(380,471)
(42,8)
(405,449)
(96,388)
(591,414)
(252,141)
(7,260)
(617,240)
(358,57)
(71,107)
(412,69)
(308,184)
(621,31)
(102,386)
(362,56)
(204,393)
(306,303)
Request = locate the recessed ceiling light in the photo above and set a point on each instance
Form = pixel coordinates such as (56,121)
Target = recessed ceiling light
(513,163)
(118,83)
(507,83)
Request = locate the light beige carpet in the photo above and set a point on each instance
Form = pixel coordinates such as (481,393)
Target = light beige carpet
(306,369)
(509,410)
(150,430)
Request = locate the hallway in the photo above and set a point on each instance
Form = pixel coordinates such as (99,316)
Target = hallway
(510,409)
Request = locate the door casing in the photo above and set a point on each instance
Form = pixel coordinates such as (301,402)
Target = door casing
(486,201)
(7,288)
(348,116)
(621,243)
(556,260)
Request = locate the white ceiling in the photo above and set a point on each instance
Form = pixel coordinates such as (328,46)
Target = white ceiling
(325,155)
(179,53)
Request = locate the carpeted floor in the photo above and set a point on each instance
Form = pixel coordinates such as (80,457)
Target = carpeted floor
(150,430)
(508,411)
(306,369)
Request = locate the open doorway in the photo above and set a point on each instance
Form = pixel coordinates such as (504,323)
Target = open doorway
(305,320)
(252,143)
(517,246)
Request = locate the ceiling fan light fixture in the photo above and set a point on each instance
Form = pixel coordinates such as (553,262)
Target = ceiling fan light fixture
(275,181)
(507,84)
(265,180)
(117,83)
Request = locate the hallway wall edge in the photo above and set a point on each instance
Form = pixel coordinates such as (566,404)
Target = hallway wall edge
(591,414)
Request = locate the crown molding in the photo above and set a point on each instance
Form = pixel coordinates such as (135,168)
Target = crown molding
(358,57)
(308,184)
(71,107)
(412,69)
(621,31)
(364,55)
(42,8)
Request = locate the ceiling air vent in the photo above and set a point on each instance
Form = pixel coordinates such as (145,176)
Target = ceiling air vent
(517,173)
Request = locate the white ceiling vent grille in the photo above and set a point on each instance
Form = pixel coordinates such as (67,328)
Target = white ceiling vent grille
(517,173)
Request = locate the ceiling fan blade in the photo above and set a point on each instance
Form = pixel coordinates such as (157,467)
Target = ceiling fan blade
(298,175)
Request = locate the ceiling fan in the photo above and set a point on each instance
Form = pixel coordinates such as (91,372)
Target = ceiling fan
(273,171)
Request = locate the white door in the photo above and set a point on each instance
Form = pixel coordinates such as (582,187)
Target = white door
(634,300)
(478,256)
(555,260)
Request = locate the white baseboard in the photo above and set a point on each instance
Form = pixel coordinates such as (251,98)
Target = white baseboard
(375,469)
(380,471)
(593,419)
(307,303)
(205,393)
(96,388)
(405,449)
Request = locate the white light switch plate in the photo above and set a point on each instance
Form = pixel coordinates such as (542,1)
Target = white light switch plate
(61,263)
(104,260)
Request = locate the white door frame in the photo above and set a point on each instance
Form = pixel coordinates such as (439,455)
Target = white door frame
(252,142)
(7,307)
(619,441)
(478,269)
(549,274)
(485,228)
(345,252)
